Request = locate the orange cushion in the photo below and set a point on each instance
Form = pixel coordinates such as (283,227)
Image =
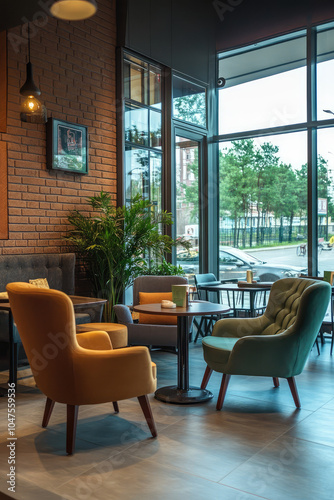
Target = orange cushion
(155,319)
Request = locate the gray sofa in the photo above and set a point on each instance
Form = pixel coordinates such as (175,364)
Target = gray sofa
(147,334)
(58,269)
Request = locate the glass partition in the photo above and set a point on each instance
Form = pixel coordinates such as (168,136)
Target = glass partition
(263,207)
(265,86)
(325,74)
(142,129)
(187,202)
(325,200)
(189,102)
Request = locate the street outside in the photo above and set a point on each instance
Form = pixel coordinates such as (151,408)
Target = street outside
(288,256)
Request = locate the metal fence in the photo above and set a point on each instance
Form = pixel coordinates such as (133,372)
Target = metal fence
(263,236)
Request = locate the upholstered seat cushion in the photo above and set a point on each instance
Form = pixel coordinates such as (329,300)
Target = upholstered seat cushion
(217,351)
(118,334)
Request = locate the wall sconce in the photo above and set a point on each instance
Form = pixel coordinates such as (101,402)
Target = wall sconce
(73,10)
(32,111)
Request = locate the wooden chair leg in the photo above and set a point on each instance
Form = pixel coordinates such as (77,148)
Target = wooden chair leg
(276,381)
(71,427)
(294,392)
(115,405)
(206,377)
(222,392)
(49,404)
(146,407)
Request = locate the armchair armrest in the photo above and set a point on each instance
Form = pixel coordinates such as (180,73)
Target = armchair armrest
(123,314)
(113,375)
(97,340)
(265,355)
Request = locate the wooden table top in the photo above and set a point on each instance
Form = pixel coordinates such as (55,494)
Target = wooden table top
(195,308)
(86,301)
(247,287)
(76,299)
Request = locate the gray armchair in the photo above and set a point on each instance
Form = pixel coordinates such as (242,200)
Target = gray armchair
(149,334)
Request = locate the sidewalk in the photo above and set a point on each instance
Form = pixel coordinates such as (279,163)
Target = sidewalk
(251,250)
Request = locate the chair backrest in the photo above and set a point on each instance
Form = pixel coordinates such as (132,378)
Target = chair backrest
(58,269)
(206,278)
(296,307)
(46,324)
(155,284)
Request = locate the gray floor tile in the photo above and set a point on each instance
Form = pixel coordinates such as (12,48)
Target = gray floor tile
(288,468)
(258,446)
(131,478)
(317,427)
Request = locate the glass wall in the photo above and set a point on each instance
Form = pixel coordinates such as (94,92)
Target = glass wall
(187,218)
(189,102)
(142,129)
(263,205)
(263,161)
(325,149)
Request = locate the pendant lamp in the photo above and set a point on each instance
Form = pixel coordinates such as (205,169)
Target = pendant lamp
(32,111)
(73,10)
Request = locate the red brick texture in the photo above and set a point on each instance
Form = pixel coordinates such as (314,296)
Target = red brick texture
(74,66)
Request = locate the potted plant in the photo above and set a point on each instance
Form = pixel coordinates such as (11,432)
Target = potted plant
(113,241)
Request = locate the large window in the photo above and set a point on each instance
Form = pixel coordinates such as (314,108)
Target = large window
(189,102)
(265,87)
(187,154)
(264,163)
(142,129)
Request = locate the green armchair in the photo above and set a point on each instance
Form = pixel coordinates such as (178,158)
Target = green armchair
(275,344)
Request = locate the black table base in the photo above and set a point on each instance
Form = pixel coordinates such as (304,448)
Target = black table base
(172,394)
(182,393)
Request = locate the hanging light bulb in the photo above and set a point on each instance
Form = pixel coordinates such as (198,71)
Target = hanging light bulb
(73,10)
(32,111)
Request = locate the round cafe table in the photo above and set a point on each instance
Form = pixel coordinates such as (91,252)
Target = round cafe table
(183,393)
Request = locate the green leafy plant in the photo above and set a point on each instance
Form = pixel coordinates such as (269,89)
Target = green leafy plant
(163,268)
(112,243)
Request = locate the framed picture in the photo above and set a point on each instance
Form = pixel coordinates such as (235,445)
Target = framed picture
(67,146)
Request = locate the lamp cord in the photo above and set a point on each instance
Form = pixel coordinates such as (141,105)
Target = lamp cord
(28,42)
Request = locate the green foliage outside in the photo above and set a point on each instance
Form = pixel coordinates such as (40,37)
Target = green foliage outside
(254,178)
(113,242)
(191,108)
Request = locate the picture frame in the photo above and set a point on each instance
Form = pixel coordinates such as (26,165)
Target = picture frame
(67,146)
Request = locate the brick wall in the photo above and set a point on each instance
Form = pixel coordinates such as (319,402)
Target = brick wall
(74,66)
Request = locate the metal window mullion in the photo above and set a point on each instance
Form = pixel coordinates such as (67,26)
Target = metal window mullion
(312,184)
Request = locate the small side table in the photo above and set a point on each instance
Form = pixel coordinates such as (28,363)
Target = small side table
(183,393)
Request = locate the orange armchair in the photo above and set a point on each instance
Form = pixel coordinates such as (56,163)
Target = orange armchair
(77,370)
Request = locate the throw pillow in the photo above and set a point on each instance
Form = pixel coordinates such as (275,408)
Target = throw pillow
(155,319)
(40,283)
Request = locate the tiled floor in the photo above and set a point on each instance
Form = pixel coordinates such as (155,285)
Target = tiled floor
(258,446)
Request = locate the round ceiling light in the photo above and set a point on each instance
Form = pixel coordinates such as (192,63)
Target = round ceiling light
(73,10)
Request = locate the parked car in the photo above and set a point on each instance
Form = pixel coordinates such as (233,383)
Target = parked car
(233,264)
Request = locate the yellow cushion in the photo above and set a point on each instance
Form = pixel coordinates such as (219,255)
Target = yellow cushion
(118,333)
(155,319)
(40,282)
